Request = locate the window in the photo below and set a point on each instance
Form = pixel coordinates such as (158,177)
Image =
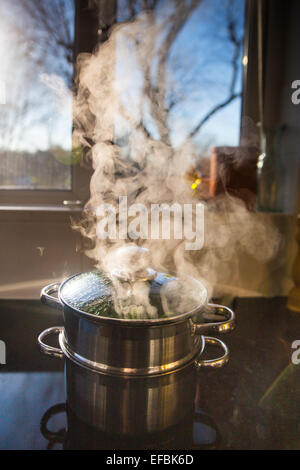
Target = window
(37,48)
(203,79)
(39,41)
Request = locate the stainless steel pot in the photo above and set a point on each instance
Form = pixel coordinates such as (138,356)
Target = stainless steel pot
(125,405)
(146,346)
(133,320)
(132,343)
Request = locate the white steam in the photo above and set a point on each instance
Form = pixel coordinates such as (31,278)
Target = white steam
(126,126)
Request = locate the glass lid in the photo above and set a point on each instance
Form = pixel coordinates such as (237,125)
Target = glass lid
(162,296)
(132,290)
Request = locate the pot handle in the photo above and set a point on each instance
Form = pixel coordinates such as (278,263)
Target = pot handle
(49,299)
(45,348)
(213,311)
(53,436)
(219,361)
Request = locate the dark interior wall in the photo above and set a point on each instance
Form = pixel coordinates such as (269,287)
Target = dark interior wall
(290,113)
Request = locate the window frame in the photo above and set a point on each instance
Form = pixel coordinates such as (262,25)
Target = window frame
(48,196)
(86,25)
(273,15)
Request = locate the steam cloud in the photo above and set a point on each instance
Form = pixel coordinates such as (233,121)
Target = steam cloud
(127,130)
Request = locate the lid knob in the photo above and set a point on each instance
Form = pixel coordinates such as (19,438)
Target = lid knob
(132,263)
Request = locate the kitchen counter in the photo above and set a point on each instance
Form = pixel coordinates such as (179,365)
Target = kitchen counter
(251,403)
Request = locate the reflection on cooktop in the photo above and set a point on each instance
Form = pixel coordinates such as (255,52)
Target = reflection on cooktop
(27,421)
(24,399)
(196,431)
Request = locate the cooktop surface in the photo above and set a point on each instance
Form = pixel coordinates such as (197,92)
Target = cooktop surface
(251,403)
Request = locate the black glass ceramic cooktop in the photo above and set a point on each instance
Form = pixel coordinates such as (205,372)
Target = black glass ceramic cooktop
(252,403)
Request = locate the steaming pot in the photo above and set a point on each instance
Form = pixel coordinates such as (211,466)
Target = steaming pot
(132,346)
(96,337)
(141,362)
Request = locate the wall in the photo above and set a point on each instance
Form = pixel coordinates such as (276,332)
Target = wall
(37,247)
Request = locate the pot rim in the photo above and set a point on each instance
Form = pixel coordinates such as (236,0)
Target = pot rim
(135,322)
(130,373)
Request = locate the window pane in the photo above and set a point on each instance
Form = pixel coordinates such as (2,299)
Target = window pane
(203,82)
(207,68)
(36,50)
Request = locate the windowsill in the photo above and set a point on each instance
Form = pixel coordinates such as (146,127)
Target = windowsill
(66,208)
(39,208)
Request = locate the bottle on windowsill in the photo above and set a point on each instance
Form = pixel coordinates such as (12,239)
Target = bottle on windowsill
(270,173)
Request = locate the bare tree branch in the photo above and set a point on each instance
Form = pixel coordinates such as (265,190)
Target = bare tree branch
(156,92)
(213,111)
(237,44)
